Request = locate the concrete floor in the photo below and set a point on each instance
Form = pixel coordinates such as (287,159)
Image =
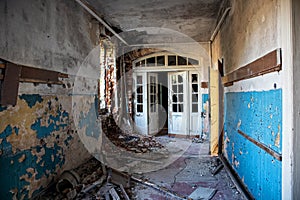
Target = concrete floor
(190,171)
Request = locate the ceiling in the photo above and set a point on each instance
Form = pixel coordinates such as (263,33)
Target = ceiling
(187,19)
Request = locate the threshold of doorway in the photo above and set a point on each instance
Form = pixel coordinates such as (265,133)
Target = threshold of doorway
(183,136)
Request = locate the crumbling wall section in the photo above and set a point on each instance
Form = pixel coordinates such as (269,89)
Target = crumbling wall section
(253,106)
(41,136)
(56,35)
(38,142)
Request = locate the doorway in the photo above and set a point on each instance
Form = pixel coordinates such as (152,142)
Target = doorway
(168,103)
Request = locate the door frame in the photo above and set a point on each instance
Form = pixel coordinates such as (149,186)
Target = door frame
(187,101)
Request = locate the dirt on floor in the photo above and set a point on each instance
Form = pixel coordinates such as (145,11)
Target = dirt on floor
(176,169)
(195,174)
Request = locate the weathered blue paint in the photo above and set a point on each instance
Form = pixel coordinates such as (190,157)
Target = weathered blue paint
(258,114)
(68,140)
(89,120)
(11,169)
(5,146)
(2,108)
(204,99)
(31,99)
(60,118)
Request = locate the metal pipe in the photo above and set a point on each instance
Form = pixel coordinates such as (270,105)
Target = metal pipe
(219,24)
(93,13)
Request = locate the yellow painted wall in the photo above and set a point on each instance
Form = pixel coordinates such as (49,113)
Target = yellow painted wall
(214,103)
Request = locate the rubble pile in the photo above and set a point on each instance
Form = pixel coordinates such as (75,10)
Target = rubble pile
(127,138)
(90,180)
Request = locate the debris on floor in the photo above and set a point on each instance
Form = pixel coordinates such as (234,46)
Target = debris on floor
(217,169)
(189,177)
(88,181)
(203,193)
(197,140)
(128,138)
(192,175)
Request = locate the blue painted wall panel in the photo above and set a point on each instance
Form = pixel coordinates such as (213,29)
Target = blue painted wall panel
(13,168)
(259,115)
(204,99)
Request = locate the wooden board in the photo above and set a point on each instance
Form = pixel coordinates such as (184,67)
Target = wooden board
(268,63)
(262,146)
(30,73)
(204,84)
(10,85)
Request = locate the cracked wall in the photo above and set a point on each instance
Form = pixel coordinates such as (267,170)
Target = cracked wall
(40,137)
(253,106)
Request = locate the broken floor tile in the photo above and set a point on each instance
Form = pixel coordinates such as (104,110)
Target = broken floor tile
(203,193)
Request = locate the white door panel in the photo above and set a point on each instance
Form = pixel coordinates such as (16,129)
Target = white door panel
(140,102)
(178,103)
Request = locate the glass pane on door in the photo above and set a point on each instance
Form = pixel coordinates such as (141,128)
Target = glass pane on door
(139,94)
(177,90)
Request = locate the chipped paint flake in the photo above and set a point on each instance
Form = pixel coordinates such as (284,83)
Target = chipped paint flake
(239,124)
(277,140)
(236,163)
(22,158)
(14,192)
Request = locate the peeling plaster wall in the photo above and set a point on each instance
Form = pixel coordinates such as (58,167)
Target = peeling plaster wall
(38,141)
(254,106)
(48,34)
(250,30)
(42,135)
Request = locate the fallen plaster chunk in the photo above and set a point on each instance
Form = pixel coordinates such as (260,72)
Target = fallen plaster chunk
(203,193)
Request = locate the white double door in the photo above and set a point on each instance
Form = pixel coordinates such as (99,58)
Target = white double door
(146,103)
(184,111)
(183,99)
